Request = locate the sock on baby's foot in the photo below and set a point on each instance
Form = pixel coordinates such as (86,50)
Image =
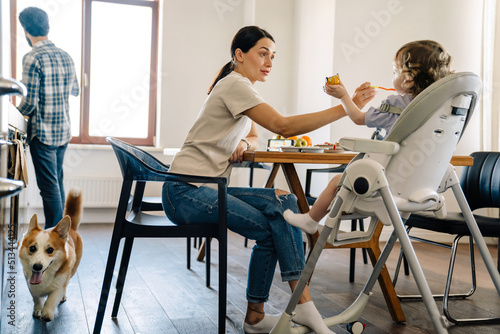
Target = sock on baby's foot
(307,314)
(301,220)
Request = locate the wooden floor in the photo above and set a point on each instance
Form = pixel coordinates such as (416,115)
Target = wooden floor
(162,296)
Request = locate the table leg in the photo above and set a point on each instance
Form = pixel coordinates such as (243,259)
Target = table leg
(272,176)
(295,187)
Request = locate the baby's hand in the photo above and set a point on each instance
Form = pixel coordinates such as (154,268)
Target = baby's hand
(337,91)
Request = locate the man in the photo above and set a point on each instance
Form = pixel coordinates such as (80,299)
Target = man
(49,75)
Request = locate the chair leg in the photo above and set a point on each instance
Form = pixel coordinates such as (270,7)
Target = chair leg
(406,267)
(352,262)
(363,250)
(498,255)
(188,251)
(207,259)
(222,283)
(106,284)
(352,265)
(447,296)
(122,273)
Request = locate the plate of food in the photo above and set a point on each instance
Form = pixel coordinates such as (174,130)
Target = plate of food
(290,149)
(331,148)
(312,149)
(337,150)
(308,149)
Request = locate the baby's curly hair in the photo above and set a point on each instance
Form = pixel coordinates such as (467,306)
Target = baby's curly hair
(422,63)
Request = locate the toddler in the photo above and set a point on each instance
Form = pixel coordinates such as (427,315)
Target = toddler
(416,66)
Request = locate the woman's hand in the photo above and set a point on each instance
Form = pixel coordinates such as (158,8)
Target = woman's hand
(237,155)
(363,94)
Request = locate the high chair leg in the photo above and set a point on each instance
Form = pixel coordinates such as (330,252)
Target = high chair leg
(440,323)
(284,325)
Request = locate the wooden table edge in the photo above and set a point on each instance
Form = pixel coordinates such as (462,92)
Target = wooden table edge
(325,158)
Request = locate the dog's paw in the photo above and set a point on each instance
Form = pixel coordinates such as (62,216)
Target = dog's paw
(37,312)
(63,300)
(47,315)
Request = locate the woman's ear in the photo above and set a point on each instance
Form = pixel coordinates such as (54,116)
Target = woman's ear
(238,55)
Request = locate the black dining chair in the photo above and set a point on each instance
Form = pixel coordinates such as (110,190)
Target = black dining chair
(154,203)
(481,186)
(138,167)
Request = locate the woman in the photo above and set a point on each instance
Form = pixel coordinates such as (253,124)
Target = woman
(225,128)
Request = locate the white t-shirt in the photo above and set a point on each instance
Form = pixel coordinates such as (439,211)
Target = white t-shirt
(218,129)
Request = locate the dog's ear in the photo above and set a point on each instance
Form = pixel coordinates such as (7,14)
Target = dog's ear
(33,226)
(62,228)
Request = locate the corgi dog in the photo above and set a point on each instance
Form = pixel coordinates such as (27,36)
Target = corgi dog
(50,257)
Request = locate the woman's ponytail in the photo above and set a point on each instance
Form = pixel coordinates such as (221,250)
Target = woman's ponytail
(228,68)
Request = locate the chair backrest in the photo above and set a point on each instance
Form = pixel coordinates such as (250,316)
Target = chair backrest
(428,131)
(481,181)
(138,165)
(135,163)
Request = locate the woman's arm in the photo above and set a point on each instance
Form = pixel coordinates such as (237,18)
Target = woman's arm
(287,126)
(252,137)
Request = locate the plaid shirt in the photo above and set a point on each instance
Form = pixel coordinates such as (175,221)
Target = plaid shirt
(49,75)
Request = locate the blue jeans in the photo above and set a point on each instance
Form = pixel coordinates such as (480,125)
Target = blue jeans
(48,163)
(255,213)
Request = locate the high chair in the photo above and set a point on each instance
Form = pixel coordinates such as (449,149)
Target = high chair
(390,179)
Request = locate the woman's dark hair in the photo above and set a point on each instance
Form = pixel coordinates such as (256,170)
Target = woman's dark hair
(422,63)
(35,21)
(245,39)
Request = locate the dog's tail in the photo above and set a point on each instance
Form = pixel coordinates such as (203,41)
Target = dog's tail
(74,207)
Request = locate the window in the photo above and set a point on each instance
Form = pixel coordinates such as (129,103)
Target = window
(116,47)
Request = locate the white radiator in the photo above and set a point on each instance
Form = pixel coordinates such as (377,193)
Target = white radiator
(98,192)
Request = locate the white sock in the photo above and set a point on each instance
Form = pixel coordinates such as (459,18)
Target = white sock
(307,314)
(301,220)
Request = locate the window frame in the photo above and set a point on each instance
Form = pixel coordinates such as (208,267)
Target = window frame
(84,137)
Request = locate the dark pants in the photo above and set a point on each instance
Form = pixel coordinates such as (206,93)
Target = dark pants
(48,162)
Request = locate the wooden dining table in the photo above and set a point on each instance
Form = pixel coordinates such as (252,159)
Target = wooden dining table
(287,160)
